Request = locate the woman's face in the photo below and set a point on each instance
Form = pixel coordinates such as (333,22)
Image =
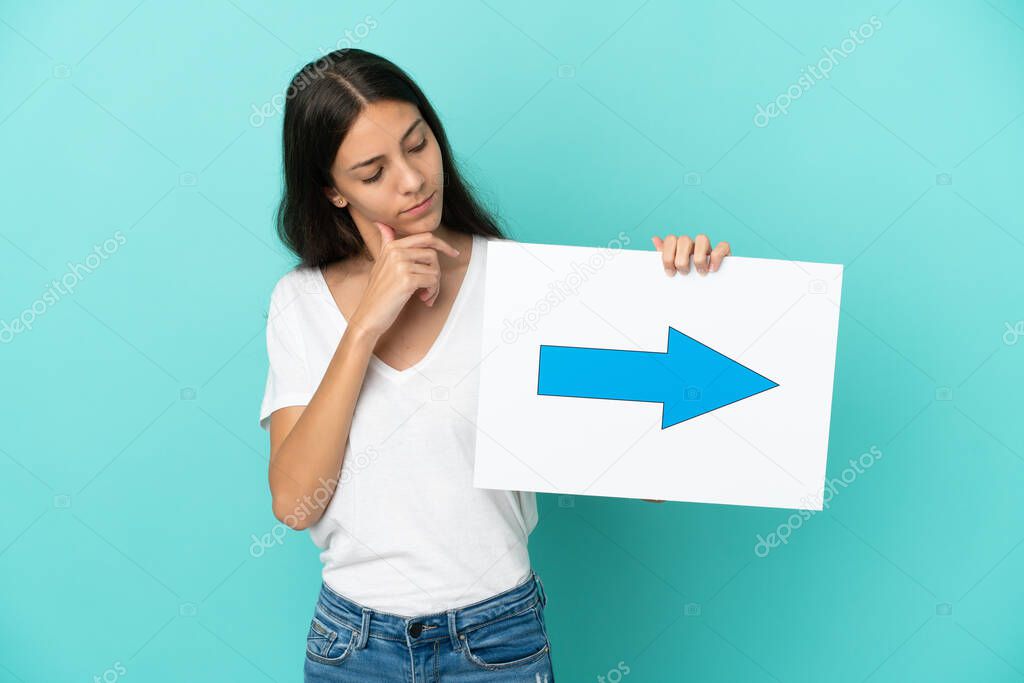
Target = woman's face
(387,164)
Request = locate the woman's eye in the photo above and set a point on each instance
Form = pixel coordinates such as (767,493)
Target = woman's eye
(417,148)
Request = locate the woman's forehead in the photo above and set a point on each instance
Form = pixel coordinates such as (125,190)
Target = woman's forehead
(378,125)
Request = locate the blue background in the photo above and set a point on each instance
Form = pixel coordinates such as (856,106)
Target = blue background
(133,470)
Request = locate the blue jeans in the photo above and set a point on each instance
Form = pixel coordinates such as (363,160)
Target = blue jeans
(500,638)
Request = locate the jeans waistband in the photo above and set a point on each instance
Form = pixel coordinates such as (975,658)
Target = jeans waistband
(427,628)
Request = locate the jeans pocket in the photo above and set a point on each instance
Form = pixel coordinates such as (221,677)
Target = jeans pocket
(329,643)
(506,642)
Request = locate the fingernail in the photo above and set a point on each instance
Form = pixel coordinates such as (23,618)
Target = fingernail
(669,272)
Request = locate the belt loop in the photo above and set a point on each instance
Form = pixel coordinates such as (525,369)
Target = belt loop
(452,632)
(540,586)
(364,629)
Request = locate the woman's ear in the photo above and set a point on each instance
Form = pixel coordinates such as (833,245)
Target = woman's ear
(334,198)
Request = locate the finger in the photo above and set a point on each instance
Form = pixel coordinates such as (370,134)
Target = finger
(683,251)
(439,243)
(657,242)
(424,255)
(434,294)
(429,293)
(668,255)
(719,253)
(426,288)
(425,261)
(387,233)
(429,239)
(701,249)
(428,296)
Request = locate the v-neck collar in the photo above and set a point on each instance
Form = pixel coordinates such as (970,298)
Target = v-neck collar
(453,314)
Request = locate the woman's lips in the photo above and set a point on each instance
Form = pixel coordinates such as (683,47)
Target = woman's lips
(420,208)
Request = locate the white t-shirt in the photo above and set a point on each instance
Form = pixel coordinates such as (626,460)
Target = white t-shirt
(406,531)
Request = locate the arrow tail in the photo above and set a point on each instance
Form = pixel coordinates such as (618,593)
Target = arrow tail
(583,372)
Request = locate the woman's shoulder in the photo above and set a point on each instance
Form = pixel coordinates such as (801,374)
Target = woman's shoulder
(495,238)
(485,240)
(297,281)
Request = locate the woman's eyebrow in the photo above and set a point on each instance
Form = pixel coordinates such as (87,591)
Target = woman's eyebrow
(381,156)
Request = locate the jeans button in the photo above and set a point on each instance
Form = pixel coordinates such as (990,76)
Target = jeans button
(415,630)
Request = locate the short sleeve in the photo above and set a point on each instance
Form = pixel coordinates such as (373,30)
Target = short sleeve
(288,381)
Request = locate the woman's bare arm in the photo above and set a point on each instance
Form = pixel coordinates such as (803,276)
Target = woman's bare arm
(307,443)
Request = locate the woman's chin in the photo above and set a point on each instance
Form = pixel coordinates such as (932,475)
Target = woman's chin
(425,223)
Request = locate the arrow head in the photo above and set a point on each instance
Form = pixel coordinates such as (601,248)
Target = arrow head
(700,379)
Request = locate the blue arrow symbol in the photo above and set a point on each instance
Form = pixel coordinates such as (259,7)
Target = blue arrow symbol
(689,379)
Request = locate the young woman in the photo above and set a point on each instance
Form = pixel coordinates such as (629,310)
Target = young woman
(374,346)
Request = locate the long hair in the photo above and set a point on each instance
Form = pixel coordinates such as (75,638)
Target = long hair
(323,100)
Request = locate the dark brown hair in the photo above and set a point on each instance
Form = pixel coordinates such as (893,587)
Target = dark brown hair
(323,100)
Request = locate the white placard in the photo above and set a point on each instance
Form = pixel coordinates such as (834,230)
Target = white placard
(580,395)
